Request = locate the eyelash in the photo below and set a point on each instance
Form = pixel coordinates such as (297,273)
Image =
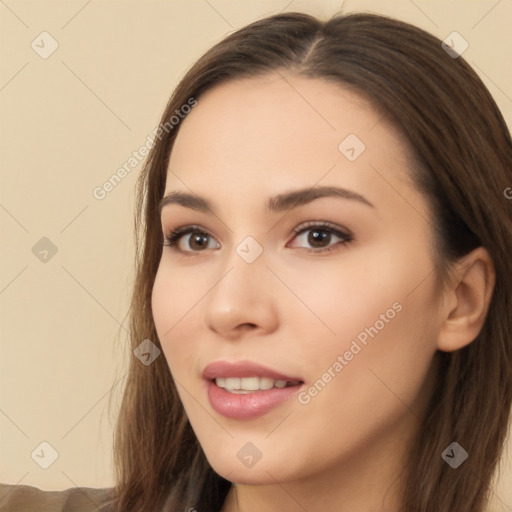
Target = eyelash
(174,236)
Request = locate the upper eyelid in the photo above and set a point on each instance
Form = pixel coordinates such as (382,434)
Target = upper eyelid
(301,226)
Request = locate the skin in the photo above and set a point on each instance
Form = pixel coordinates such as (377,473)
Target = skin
(297,311)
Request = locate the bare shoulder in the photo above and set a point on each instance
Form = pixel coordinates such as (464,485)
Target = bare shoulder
(27,498)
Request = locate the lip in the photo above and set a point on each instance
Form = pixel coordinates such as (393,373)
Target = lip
(247,405)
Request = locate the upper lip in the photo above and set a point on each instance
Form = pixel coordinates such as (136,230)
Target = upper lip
(228,369)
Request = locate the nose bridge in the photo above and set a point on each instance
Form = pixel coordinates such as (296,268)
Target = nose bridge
(243,270)
(243,293)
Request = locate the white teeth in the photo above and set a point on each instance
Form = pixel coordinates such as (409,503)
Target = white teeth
(266,383)
(232,383)
(250,383)
(247,384)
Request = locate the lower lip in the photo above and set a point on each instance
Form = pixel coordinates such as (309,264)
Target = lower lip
(245,406)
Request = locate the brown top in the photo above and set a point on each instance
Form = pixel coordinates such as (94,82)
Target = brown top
(26,498)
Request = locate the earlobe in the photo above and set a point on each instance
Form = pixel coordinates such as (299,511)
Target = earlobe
(467,300)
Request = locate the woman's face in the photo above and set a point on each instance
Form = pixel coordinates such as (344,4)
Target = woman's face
(347,310)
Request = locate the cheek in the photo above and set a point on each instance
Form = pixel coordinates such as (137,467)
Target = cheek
(332,305)
(371,377)
(375,331)
(174,297)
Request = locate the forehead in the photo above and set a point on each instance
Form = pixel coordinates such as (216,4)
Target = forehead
(278,111)
(262,135)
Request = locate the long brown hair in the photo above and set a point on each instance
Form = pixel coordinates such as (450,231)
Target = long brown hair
(463,154)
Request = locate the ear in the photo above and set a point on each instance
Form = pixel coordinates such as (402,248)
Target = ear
(466,300)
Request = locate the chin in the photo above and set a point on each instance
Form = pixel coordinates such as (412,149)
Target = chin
(248,476)
(260,473)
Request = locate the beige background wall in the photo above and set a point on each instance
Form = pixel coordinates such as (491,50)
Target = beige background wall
(68,122)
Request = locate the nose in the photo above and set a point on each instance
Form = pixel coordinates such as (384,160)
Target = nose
(242,300)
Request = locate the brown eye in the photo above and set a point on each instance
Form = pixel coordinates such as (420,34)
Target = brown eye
(197,242)
(320,237)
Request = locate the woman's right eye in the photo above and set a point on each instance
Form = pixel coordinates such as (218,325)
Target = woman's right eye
(196,243)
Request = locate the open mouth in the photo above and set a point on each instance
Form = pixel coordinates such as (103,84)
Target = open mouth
(245,390)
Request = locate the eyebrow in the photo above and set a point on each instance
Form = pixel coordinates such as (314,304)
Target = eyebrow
(279,203)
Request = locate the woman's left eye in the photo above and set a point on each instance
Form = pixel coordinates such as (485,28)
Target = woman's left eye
(319,238)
